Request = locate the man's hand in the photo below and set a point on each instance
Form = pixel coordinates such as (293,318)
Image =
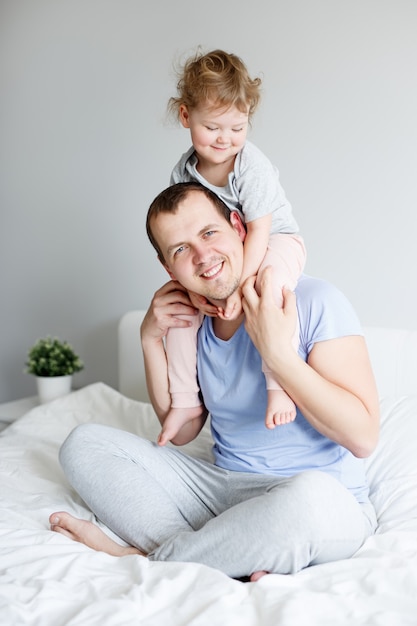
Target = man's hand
(270,327)
(170,301)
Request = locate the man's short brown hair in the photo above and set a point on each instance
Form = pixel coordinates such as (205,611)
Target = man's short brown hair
(169,200)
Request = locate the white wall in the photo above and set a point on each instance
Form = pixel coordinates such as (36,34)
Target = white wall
(84,149)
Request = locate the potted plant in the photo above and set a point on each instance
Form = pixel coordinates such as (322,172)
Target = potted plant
(53,362)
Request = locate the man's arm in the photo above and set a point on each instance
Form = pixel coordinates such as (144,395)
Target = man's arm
(168,302)
(335,390)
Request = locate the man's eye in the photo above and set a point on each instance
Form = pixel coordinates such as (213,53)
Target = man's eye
(209,233)
(178,250)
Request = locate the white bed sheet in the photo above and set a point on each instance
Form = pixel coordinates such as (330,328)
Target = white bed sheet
(47,579)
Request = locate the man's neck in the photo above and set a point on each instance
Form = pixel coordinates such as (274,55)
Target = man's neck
(225,329)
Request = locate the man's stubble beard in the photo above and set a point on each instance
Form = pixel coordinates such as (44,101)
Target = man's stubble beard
(221,292)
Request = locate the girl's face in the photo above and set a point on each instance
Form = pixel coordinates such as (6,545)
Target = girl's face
(217,134)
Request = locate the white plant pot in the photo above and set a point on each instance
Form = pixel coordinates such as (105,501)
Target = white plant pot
(51,387)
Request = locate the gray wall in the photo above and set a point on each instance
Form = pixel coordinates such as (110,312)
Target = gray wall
(85,147)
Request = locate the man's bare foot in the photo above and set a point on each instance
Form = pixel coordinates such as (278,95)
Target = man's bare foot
(257,575)
(175,420)
(88,533)
(280,409)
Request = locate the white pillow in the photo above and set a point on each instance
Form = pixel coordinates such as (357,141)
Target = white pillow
(392,468)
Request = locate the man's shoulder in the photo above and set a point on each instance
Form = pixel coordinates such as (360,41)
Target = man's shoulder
(310,287)
(324,310)
(319,296)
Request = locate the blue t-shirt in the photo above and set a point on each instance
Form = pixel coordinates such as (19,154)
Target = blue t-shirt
(234,391)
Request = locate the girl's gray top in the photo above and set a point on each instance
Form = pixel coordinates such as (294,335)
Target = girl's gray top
(253,188)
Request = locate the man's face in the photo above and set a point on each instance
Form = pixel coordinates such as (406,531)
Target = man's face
(202,250)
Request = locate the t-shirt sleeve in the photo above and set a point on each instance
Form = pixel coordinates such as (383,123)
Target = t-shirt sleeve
(257,184)
(324,313)
(179,174)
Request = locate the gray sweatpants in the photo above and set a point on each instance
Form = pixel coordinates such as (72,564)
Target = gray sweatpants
(177,508)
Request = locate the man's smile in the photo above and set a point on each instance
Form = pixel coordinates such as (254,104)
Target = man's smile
(214,271)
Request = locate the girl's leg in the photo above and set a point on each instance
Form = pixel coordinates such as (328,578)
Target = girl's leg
(181,349)
(286,254)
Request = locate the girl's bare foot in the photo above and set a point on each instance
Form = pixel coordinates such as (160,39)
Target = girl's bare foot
(280,408)
(175,420)
(88,533)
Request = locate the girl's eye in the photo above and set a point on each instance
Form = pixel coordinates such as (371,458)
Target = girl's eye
(237,130)
(209,128)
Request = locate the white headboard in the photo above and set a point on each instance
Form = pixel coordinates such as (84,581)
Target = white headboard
(393,355)
(131,369)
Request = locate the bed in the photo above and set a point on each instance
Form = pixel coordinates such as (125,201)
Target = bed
(48,580)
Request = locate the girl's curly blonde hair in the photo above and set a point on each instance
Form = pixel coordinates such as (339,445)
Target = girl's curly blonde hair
(217,79)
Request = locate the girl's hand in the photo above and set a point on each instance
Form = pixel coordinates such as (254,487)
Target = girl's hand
(233,306)
(202,304)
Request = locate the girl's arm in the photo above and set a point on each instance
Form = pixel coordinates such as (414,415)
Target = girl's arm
(335,390)
(168,302)
(254,251)
(255,245)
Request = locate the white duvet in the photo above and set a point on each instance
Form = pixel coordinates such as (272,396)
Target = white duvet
(49,580)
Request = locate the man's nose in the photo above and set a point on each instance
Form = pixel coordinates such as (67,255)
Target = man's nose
(200,253)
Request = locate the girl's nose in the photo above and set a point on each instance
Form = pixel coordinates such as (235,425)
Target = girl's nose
(222,137)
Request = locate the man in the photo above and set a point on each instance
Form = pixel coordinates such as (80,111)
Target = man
(275,500)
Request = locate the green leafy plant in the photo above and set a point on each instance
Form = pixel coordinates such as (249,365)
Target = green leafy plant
(52,357)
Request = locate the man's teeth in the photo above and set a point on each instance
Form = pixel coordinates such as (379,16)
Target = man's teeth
(212,272)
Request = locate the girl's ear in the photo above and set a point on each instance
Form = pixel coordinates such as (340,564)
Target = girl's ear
(184,116)
(238,225)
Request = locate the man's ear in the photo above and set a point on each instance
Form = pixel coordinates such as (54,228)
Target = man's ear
(238,225)
(184,116)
